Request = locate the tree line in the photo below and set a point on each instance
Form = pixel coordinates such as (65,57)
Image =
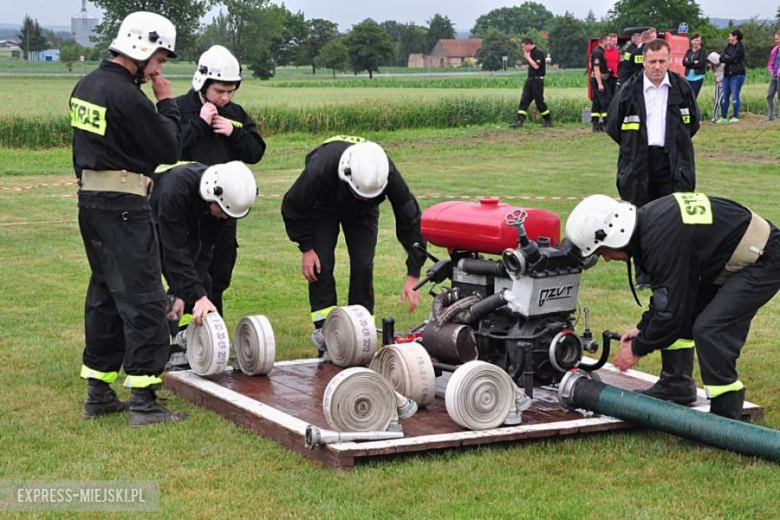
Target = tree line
(264,35)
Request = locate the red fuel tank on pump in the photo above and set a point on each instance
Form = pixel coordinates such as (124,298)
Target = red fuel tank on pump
(481,226)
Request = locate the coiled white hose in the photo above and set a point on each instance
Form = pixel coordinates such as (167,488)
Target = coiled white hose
(255,345)
(409,370)
(208,346)
(480,395)
(350,336)
(359,400)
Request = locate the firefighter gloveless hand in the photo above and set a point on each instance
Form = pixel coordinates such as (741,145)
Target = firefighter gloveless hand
(310,265)
(201,310)
(409,294)
(161,87)
(626,359)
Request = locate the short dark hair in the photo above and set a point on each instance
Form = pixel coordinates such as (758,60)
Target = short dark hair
(527,41)
(603,36)
(695,35)
(737,33)
(656,45)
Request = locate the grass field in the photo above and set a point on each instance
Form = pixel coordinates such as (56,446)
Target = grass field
(208,467)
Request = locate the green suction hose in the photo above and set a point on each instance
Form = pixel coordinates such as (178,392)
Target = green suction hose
(577,390)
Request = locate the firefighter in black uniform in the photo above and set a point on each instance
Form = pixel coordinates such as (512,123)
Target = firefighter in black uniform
(636,39)
(192,205)
(533,90)
(629,67)
(599,84)
(118,139)
(712,262)
(215,130)
(343,183)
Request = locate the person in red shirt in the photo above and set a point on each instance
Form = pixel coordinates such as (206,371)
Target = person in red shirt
(612,54)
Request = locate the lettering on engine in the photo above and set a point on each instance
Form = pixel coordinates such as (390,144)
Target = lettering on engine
(555,293)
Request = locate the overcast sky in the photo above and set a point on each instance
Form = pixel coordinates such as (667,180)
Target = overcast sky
(463,13)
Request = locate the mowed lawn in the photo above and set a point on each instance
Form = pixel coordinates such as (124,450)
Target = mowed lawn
(208,467)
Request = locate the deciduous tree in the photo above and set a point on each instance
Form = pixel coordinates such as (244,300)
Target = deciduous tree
(369,46)
(439,27)
(494,46)
(514,21)
(334,55)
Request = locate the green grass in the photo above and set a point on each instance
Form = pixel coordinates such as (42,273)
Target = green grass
(209,467)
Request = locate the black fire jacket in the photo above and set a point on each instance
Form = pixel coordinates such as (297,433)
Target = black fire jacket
(187,231)
(681,259)
(201,144)
(626,124)
(116,127)
(319,189)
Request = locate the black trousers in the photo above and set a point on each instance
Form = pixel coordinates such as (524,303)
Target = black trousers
(533,90)
(222,263)
(660,181)
(360,233)
(720,330)
(124,314)
(601,99)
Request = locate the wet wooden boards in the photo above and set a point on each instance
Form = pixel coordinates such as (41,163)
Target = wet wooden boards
(280,406)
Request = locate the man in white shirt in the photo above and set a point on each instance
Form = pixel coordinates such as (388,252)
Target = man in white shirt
(653,118)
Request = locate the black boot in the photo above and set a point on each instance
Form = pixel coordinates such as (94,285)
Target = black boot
(144,409)
(548,122)
(101,400)
(729,405)
(676,384)
(602,126)
(595,126)
(519,123)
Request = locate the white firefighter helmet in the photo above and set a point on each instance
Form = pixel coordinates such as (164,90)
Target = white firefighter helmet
(142,34)
(216,64)
(601,221)
(231,185)
(365,167)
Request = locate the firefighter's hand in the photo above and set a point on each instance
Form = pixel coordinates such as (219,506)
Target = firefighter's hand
(176,311)
(601,88)
(409,294)
(310,265)
(626,359)
(207,112)
(221,126)
(202,309)
(161,87)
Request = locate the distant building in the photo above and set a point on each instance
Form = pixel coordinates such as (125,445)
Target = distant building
(82,26)
(448,53)
(10,48)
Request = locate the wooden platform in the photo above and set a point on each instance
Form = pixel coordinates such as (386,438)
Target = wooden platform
(282,404)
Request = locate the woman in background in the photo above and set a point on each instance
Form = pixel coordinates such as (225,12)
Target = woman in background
(695,62)
(733,75)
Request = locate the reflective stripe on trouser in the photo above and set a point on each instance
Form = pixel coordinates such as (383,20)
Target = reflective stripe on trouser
(106,377)
(714,391)
(533,90)
(142,381)
(681,344)
(722,327)
(321,314)
(360,233)
(124,315)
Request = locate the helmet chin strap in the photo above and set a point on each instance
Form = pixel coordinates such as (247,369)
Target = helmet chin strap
(631,281)
(139,78)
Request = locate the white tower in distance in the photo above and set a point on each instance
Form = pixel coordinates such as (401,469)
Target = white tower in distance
(82,26)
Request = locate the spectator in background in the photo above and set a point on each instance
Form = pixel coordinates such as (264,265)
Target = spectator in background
(613,56)
(774,79)
(717,71)
(695,62)
(733,76)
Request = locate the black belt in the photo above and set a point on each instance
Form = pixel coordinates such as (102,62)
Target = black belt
(655,148)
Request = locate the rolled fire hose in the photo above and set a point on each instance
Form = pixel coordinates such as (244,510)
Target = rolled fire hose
(208,346)
(350,336)
(480,396)
(408,369)
(254,345)
(360,400)
(577,390)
